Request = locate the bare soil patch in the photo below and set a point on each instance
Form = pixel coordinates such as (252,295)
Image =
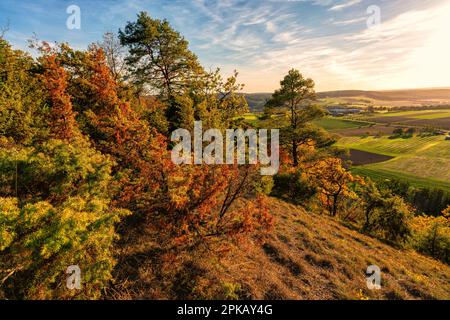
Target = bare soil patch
(359,158)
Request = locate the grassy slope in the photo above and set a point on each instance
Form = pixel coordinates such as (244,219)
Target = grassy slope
(422,161)
(307,256)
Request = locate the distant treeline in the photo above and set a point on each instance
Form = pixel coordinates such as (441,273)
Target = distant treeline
(418,108)
(431,201)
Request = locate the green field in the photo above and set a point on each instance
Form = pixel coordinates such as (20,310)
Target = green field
(380,174)
(419,114)
(398,147)
(423,161)
(336,124)
(435,115)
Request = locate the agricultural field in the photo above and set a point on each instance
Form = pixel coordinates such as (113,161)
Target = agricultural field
(249,116)
(435,118)
(372,130)
(422,114)
(359,157)
(392,98)
(423,161)
(332,124)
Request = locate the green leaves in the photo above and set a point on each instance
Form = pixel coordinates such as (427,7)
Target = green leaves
(60,215)
(22,113)
(159,56)
(44,240)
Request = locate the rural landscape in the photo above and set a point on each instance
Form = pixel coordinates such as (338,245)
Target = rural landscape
(93,205)
(400,134)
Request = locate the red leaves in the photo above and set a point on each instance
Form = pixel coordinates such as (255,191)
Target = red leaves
(211,208)
(62,124)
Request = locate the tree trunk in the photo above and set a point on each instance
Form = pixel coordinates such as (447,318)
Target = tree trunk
(335,202)
(294,153)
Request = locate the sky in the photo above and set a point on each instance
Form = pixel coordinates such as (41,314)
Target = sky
(340,44)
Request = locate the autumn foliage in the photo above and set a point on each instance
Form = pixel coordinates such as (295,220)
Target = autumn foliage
(102,162)
(85,164)
(62,125)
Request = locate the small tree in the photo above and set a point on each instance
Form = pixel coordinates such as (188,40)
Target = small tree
(115,55)
(398,131)
(393,219)
(333,182)
(296,95)
(431,235)
(372,200)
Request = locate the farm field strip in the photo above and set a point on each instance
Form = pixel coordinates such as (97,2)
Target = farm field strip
(424,161)
(337,124)
(383,174)
(420,166)
(438,115)
(394,147)
(415,113)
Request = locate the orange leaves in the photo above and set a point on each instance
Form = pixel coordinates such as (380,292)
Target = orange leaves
(101,81)
(63,125)
(446,213)
(204,204)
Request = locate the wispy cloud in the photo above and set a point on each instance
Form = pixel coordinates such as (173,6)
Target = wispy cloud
(344,5)
(327,40)
(350,21)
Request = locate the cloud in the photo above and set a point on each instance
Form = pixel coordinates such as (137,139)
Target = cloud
(344,5)
(407,50)
(271,27)
(349,22)
(325,39)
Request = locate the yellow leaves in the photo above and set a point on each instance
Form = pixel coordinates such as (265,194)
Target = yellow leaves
(446,213)
(361,296)
(79,231)
(9,212)
(331,176)
(31,214)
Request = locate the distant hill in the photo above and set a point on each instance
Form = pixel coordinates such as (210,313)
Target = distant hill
(392,95)
(407,97)
(256,101)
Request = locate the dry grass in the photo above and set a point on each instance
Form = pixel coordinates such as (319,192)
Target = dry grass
(307,256)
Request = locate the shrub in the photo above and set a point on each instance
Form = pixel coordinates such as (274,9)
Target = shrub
(40,241)
(385,214)
(392,220)
(55,212)
(431,236)
(293,187)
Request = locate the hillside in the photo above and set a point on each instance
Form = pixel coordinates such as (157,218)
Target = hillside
(308,256)
(391,95)
(256,101)
(408,97)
